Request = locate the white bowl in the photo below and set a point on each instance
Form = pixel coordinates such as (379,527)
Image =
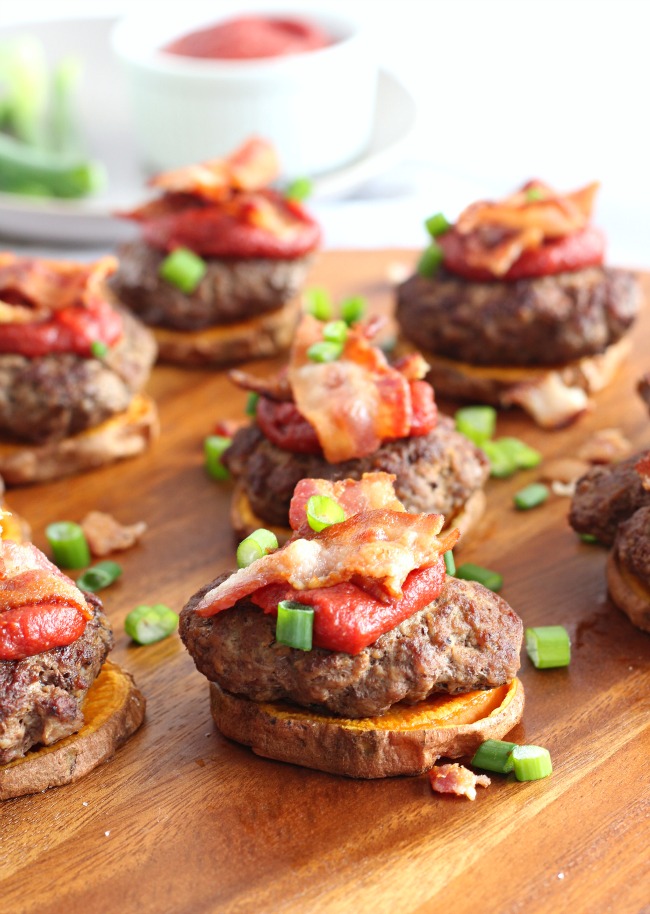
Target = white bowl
(316,107)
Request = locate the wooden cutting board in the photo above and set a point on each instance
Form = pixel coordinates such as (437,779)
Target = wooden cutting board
(182,820)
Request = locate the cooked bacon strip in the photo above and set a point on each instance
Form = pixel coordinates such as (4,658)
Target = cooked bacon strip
(27,577)
(456,779)
(353,403)
(31,286)
(382,546)
(372,491)
(253,166)
(642,467)
(276,387)
(104,534)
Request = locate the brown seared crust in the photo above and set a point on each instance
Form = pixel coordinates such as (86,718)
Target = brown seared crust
(434,473)
(258,337)
(632,545)
(231,291)
(363,749)
(644,389)
(468,638)
(545,321)
(113,711)
(605,497)
(628,592)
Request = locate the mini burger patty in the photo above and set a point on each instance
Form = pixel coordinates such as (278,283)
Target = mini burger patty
(41,697)
(468,638)
(605,497)
(435,473)
(54,396)
(549,320)
(231,290)
(632,544)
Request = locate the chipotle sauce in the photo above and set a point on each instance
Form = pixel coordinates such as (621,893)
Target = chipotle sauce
(250,38)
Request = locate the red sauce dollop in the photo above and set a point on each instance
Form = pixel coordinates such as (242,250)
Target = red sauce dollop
(250,38)
(34,628)
(72,329)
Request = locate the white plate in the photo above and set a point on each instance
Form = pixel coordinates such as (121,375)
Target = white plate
(105,115)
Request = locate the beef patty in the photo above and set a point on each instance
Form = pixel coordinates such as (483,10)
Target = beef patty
(545,321)
(54,396)
(231,290)
(468,638)
(605,497)
(632,544)
(435,473)
(41,697)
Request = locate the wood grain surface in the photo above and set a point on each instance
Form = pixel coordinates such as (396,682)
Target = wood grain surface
(181,820)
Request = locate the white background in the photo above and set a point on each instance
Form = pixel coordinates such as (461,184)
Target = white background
(506,90)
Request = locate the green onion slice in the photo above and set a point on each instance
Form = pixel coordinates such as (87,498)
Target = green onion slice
(588,538)
(534,193)
(324,351)
(548,646)
(450,564)
(99,349)
(437,225)
(148,624)
(183,269)
(295,625)
(353,309)
(68,543)
(531,496)
(251,403)
(523,456)
(494,755)
(318,303)
(323,511)
(259,543)
(490,579)
(214,448)
(531,763)
(335,332)
(430,260)
(299,189)
(501,463)
(476,422)
(99,576)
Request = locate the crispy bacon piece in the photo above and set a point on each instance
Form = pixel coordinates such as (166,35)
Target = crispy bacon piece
(34,288)
(276,387)
(372,491)
(642,467)
(456,779)
(105,535)
(379,546)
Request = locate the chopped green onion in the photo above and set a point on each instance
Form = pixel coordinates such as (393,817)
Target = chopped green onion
(318,303)
(68,543)
(470,572)
(98,349)
(437,225)
(523,456)
(299,189)
(335,332)
(531,496)
(214,447)
(476,422)
(588,538)
(148,624)
(183,269)
(494,755)
(36,171)
(323,511)
(548,646)
(251,403)
(295,625)
(99,576)
(534,193)
(501,464)
(531,763)
(258,543)
(450,564)
(324,351)
(430,260)
(353,309)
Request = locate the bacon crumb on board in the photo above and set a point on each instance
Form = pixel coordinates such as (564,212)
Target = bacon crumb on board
(606,445)
(456,779)
(105,535)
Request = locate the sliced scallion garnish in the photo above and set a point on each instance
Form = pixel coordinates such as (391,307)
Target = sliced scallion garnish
(299,189)
(450,564)
(335,332)
(531,763)
(251,403)
(99,576)
(353,309)
(430,260)
(501,464)
(295,625)
(534,193)
(588,538)
(99,349)
(494,755)
(258,543)
(148,624)
(323,511)
(476,422)
(437,225)
(522,455)
(318,303)
(531,496)
(324,351)
(548,646)
(470,572)
(183,269)
(214,448)
(68,543)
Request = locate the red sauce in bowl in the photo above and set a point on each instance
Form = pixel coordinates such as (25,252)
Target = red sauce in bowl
(250,38)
